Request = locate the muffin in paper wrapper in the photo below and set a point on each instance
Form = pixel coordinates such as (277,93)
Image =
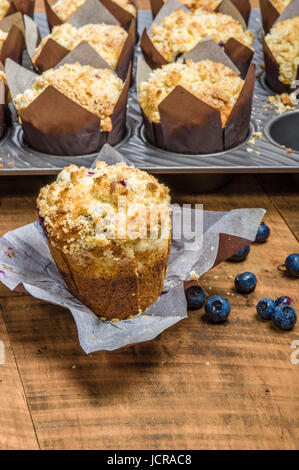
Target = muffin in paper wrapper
(271,64)
(243,6)
(56,125)
(123,17)
(52,52)
(197,128)
(31,269)
(14,43)
(26,7)
(240,54)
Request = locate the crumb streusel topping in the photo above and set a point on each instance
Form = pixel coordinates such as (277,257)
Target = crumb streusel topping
(4,7)
(283,40)
(214,83)
(64,9)
(95,89)
(193,5)
(107,40)
(280,5)
(82,209)
(181,31)
(3,77)
(3,36)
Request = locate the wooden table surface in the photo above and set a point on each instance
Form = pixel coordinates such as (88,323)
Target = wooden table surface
(201,386)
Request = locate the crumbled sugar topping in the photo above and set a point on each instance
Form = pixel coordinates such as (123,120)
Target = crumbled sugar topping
(107,40)
(282,103)
(64,9)
(214,83)
(95,89)
(280,5)
(85,209)
(4,6)
(283,40)
(196,4)
(3,77)
(181,31)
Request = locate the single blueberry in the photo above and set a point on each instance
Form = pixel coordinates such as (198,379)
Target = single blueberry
(195,297)
(217,309)
(284,300)
(245,282)
(284,317)
(241,255)
(262,233)
(265,308)
(292,265)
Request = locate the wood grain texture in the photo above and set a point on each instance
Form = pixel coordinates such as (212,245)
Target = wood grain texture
(198,385)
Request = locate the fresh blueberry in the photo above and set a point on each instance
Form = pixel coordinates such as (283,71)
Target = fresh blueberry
(241,255)
(284,300)
(265,308)
(217,309)
(284,316)
(195,297)
(262,233)
(292,265)
(245,282)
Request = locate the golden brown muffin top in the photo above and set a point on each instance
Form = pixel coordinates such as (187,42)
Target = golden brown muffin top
(107,40)
(97,90)
(283,40)
(214,83)
(64,9)
(84,209)
(280,5)
(181,31)
(4,7)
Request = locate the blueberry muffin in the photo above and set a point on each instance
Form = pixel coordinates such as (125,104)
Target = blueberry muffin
(283,41)
(108,230)
(96,90)
(107,40)
(64,9)
(213,83)
(179,32)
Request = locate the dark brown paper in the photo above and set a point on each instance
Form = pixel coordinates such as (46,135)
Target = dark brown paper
(14,44)
(239,54)
(269,14)
(26,7)
(271,65)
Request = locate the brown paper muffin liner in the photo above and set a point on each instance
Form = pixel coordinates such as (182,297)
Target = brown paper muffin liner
(26,7)
(56,125)
(128,291)
(242,5)
(120,14)
(240,54)
(271,64)
(14,44)
(52,52)
(197,128)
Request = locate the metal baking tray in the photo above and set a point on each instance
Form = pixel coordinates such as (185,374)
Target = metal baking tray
(264,156)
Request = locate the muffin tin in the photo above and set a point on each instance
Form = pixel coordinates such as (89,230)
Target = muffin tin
(264,155)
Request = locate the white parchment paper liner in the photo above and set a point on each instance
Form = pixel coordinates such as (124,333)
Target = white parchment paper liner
(26,265)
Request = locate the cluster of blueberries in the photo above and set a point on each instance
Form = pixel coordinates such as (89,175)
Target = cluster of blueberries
(218,308)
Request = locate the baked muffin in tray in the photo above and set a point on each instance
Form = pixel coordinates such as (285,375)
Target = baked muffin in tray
(12,38)
(178,31)
(108,230)
(107,40)
(243,6)
(281,51)
(73,109)
(124,11)
(9,7)
(201,106)
(272,9)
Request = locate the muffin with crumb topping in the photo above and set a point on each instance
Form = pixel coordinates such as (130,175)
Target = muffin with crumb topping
(96,90)
(107,40)
(108,230)
(181,31)
(4,7)
(283,42)
(64,9)
(214,83)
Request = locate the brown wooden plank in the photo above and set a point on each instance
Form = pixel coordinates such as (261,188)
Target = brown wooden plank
(283,192)
(17,431)
(196,386)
